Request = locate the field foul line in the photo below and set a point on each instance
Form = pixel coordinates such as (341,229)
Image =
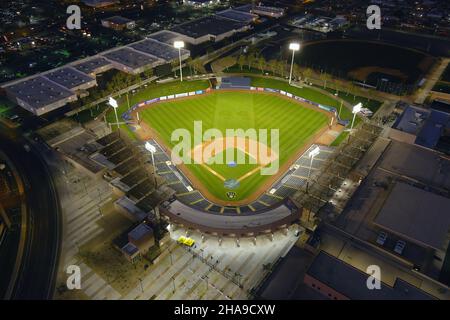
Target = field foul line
(248,174)
(218,175)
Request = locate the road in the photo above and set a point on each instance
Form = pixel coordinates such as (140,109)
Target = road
(36,273)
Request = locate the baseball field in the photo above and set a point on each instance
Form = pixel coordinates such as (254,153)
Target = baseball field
(233,181)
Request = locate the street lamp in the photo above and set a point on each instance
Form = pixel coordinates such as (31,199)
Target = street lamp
(311,155)
(178,45)
(355,110)
(113,103)
(294,46)
(152,149)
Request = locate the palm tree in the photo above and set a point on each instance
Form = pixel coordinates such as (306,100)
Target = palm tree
(189,63)
(280,68)
(175,64)
(241,61)
(325,77)
(250,60)
(307,74)
(262,63)
(297,71)
(273,65)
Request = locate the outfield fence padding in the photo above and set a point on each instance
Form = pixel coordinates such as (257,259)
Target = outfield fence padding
(127,115)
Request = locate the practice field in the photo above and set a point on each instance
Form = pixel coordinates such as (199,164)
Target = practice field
(297,124)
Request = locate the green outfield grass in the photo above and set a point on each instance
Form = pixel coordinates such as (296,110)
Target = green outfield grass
(317,96)
(154,90)
(233,110)
(304,92)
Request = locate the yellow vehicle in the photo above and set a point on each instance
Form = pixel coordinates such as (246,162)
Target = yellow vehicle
(186,241)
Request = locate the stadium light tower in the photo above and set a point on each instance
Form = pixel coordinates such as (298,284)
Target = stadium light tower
(311,156)
(151,148)
(294,46)
(356,109)
(113,103)
(178,45)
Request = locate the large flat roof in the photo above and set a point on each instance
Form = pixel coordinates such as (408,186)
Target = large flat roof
(157,49)
(237,15)
(52,92)
(351,282)
(165,36)
(118,20)
(69,77)
(412,120)
(39,92)
(130,58)
(92,65)
(418,163)
(212,25)
(416,214)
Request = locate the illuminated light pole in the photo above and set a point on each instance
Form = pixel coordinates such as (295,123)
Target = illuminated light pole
(113,103)
(151,148)
(294,47)
(178,45)
(311,155)
(356,109)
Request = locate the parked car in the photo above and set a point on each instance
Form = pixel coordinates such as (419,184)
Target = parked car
(400,246)
(382,237)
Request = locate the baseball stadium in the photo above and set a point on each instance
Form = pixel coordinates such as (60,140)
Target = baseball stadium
(226,191)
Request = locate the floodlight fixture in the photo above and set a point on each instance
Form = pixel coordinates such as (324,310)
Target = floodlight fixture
(357,108)
(314,152)
(113,102)
(294,46)
(150,147)
(178,45)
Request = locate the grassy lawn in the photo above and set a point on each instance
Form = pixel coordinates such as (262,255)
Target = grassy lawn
(340,138)
(233,110)
(154,91)
(372,105)
(305,92)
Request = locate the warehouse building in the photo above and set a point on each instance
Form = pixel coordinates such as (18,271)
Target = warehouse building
(212,28)
(39,95)
(131,61)
(53,89)
(118,23)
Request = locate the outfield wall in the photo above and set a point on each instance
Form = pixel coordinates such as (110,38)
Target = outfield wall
(127,115)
